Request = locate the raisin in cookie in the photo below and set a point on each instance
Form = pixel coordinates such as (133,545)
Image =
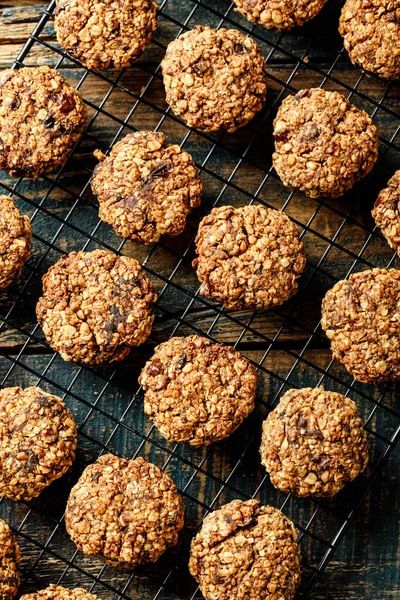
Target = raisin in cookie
(105,33)
(57,592)
(246,551)
(313,442)
(126,511)
(371,32)
(214,78)
(38,438)
(95,306)
(15,241)
(197,392)
(386,212)
(279,14)
(146,188)
(323,144)
(41,118)
(10,557)
(248,257)
(361,318)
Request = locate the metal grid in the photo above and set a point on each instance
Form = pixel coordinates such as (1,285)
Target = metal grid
(286,344)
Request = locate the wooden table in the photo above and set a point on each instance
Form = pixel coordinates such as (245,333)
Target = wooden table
(366,564)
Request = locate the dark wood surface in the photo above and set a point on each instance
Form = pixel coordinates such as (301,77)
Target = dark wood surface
(367,562)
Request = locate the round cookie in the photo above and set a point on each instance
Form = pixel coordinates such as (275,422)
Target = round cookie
(323,144)
(15,241)
(371,32)
(145,187)
(248,257)
(386,212)
(41,118)
(361,318)
(126,511)
(102,34)
(246,551)
(214,79)
(38,438)
(57,592)
(197,392)
(10,557)
(280,15)
(313,442)
(95,306)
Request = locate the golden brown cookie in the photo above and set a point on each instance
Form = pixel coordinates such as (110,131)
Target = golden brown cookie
(102,34)
(313,442)
(15,241)
(361,318)
(95,306)
(197,392)
(10,557)
(126,511)
(279,14)
(145,187)
(214,78)
(386,212)
(323,144)
(245,551)
(38,438)
(41,118)
(248,257)
(57,592)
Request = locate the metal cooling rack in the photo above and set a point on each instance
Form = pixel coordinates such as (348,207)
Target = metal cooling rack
(286,344)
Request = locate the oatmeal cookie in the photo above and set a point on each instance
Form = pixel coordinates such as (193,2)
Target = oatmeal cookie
(245,551)
(57,592)
(38,438)
(323,144)
(41,118)
(10,557)
(280,15)
(248,257)
(146,188)
(386,212)
(371,32)
(15,241)
(361,318)
(313,442)
(126,511)
(214,78)
(102,34)
(95,306)
(197,392)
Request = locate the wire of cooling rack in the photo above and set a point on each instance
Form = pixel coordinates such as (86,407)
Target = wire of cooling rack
(233,170)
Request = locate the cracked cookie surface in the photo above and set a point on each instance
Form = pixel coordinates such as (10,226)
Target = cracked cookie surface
(103,34)
(323,144)
(371,32)
(248,257)
(38,438)
(15,241)
(361,318)
(10,557)
(280,15)
(58,592)
(197,392)
(313,442)
(41,118)
(214,79)
(245,551)
(386,212)
(95,306)
(126,511)
(145,187)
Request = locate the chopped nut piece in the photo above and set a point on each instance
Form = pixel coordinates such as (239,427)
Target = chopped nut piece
(361,318)
(197,392)
(247,552)
(326,444)
(10,557)
(126,511)
(38,438)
